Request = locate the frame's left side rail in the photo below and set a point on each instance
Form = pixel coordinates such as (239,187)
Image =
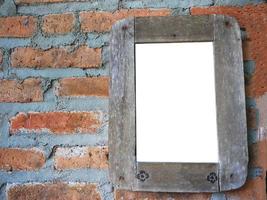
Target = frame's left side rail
(122,105)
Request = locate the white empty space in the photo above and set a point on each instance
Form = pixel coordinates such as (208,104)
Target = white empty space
(175,102)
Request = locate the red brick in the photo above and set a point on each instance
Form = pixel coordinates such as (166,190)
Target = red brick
(57,122)
(247,50)
(252,118)
(21,26)
(54,191)
(81,157)
(95,86)
(102,21)
(83,57)
(58,23)
(254,189)
(257,154)
(253,18)
(28,90)
(129,195)
(21,159)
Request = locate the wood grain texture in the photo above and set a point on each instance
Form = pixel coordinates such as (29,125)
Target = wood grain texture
(231,171)
(178,177)
(122,105)
(230,100)
(174,29)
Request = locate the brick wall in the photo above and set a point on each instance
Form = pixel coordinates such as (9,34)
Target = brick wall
(54,95)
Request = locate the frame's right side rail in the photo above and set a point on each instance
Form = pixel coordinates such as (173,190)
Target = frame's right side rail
(230,98)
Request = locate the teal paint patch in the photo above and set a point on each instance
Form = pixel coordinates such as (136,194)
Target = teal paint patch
(23,73)
(46,42)
(48,174)
(97,40)
(164,3)
(255,172)
(61,104)
(6,62)
(48,140)
(249,68)
(14,42)
(253,137)
(107,190)
(250,102)
(3,191)
(46,9)
(8,8)
(180,11)
(236,2)
(218,196)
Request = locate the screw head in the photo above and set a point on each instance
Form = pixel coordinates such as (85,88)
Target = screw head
(142,175)
(212,177)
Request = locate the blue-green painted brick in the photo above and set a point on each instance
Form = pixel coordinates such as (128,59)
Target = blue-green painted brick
(250,102)
(249,68)
(255,172)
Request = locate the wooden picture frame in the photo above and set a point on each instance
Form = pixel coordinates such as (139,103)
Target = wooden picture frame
(231,171)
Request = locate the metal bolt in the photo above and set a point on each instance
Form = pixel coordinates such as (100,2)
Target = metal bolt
(212,177)
(142,175)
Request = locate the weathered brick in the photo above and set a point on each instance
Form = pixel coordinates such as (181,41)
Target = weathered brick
(52,191)
(58,23)
(254,189)
(20,26)
(57,122)
(257,154)
(28,90)
(247,50)
(253,19)
(129,195)
(83,57)
(252,118)
(81,157)
(102,21)
(21,159)
(95,86)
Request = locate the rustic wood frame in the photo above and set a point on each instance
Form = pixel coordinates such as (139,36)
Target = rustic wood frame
(231,171)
